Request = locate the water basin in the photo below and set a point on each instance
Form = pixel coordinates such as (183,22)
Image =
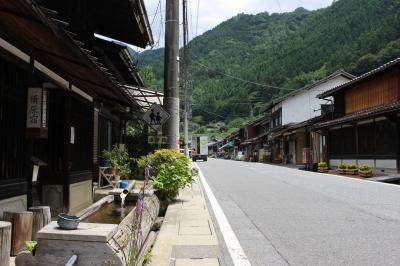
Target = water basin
(110,213)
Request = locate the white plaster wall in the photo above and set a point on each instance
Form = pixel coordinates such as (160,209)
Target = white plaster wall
(371,163)
(299,108)
(374,163)
(334,162)
(16,204)
(386,164)
(80,196)
(347,161)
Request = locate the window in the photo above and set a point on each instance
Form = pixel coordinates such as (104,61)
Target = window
(276,119)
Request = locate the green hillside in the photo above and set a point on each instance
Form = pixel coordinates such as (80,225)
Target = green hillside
(282,52)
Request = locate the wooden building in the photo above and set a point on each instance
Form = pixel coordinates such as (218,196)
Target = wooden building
(59,86)
(292,115)
(254,138)
(366,116)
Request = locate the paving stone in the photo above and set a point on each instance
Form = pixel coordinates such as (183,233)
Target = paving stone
(197,262)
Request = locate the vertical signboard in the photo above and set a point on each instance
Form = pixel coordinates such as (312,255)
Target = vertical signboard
(37,113)
(34,110)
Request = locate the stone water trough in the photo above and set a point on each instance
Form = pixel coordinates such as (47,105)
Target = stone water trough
(103,236)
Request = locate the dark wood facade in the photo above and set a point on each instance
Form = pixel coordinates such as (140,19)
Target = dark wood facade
(365,125)
(13,143)
(87,103)
(380,91)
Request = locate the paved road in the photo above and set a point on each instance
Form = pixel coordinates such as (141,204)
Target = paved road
(283,216)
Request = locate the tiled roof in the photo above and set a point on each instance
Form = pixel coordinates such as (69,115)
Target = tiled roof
(253,140)
(359,79)
(339,72)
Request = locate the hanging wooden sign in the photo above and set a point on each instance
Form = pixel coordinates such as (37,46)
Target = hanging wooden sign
(37,113)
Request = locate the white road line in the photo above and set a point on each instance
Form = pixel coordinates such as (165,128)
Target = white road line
(238,256)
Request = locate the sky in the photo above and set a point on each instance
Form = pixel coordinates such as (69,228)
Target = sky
(206,14)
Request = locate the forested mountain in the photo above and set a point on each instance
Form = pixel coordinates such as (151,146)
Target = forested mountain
(282,52)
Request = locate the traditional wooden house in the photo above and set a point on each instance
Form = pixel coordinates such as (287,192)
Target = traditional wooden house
(365,122)
(254,138)
(289,139)
(53,85)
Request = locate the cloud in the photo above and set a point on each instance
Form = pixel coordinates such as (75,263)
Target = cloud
(213,12)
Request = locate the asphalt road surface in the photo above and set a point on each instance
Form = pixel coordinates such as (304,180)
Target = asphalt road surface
(284,216)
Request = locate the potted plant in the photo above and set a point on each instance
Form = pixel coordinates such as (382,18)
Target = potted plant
(323,167)
(342,168)
(352,169)
(105,158)
(113,167)
(118,157)
(124,171)
(365,170)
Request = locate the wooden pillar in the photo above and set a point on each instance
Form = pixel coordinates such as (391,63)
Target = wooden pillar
(5,243)
(41,218)
(21,229)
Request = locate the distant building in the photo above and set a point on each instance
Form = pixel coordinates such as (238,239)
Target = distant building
(254,136)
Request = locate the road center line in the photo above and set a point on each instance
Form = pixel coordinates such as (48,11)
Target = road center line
(238,256)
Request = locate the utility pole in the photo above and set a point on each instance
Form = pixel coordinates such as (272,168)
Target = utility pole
(171,73)
(186,74)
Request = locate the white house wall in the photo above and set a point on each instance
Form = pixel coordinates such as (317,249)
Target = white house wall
(305,105)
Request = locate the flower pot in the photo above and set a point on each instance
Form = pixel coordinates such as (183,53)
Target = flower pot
(123,184)
(366,173)
(342,171)
(117,178)
(105,163)
(352,171)
(112,171)
(323,169)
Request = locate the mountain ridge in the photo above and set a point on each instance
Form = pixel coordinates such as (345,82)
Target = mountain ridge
(282,51)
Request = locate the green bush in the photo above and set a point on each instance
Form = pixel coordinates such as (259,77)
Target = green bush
(342,166)
(364,167)
(170,172)
(124,170)
(322,165)
(31,246)
(106,155)
(351,166)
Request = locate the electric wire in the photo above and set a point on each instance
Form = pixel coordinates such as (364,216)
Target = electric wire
(240,79)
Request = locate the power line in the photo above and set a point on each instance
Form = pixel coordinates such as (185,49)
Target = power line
(244,80)
(197,19)
(279,5)
(156,13)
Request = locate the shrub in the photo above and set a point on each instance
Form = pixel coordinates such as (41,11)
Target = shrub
(351,166)
(170,172)
(124,170)
(322,165)
(106,155)
(364,167)
(31,246)
(342,166)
